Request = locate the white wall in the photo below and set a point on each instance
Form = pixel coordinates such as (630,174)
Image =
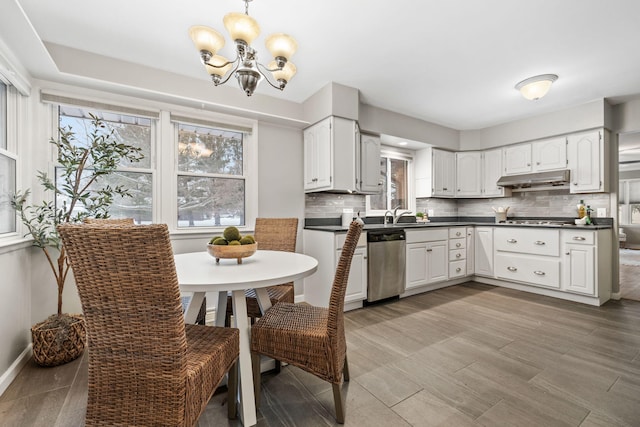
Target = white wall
(595,114)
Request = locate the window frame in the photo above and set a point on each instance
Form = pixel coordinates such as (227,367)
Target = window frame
(393,153)
(15,104)
(625,205)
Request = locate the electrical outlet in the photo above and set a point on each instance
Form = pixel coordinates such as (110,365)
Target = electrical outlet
(601,212)
(430,212)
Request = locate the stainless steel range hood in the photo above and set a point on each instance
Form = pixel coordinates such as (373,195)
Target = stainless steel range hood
(547,178)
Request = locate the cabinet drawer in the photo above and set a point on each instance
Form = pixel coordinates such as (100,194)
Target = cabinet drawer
(458,243)
(534,270)
(535,241)
(341,237)
(432,235)
(579,237)
(457,254)
(457,232)
(457,269)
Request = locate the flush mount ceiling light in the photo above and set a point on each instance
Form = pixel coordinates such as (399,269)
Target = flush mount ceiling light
(536,87)
(243,29)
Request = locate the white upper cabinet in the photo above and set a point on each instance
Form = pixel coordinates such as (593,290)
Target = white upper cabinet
(318,158)
(334,159)
(369,181)
(549,154)
(491,172)
(469,174)
(517,159)
(435,172)
(444,173)
(587,162)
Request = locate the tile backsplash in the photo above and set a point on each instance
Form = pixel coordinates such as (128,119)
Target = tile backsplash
(552,203)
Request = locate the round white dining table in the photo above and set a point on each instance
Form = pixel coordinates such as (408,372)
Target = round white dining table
(199,273)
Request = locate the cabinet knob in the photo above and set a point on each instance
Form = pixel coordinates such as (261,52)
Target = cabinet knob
(512,241)
(458,245)
(575,183)
(458,270)
(538,163)
(512,269)
(458,255)
(445,188)
(567,253)
(539,273)
(528,164)
(539,242)
(458,234)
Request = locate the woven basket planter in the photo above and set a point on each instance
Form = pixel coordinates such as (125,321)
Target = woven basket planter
(53,346)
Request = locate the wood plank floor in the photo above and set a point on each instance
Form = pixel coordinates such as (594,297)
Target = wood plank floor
(467,355)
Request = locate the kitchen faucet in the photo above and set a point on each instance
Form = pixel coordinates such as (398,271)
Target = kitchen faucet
(395,215)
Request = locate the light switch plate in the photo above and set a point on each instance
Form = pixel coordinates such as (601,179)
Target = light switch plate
(602,212)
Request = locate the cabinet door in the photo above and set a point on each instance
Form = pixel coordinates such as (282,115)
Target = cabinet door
(470,251)
(585,162)
(491,172)
(468,174)
(444,173)
(483,251)
(550,154)
(579,265)
(517,159)
(370,165)
(317,156)
(416,265)
(357,283)
(323,154)
(437,261)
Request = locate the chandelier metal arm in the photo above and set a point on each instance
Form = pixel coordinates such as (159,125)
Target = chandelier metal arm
(266,77)
(230,73)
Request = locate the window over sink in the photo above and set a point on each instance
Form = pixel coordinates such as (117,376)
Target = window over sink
(396,192)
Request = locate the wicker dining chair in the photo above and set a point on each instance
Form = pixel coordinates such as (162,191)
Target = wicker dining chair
(272,234)
(309,337)
(146,367)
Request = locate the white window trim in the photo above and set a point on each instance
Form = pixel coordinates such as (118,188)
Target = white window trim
(625,218)
(393,153)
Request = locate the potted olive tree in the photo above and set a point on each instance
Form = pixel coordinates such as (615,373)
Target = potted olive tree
(80,192)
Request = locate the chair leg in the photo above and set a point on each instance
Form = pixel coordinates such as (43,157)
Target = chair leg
(255,366)
(345,369)
(338,403)
(232,387)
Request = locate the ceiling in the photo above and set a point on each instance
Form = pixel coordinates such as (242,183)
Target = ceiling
(453,63)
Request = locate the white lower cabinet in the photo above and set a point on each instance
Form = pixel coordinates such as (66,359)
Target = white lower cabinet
(483,251)
(579,266)
(427,257)
(326,248)
(536,270)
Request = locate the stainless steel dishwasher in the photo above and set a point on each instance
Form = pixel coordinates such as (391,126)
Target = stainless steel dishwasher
(386,266)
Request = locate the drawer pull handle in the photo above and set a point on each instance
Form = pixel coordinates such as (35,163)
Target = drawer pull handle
(579,238)
(458,255)
(539,273)
(458,270)
(539,242)
(512,269)
(458,245)
(567,253)
(429,250)
(512,241)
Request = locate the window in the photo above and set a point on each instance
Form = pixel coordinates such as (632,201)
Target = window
(7,167)
(211,177)
(629,201)
(394,173)
(136,177)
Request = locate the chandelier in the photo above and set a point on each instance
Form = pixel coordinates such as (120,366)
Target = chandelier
(243,29)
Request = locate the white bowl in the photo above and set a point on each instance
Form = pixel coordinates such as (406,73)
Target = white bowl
(581,221)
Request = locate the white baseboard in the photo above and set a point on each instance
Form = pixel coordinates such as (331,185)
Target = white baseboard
(615,295)
(10,374)
(298,299)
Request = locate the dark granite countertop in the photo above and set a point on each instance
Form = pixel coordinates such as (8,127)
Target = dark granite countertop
(334,224)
